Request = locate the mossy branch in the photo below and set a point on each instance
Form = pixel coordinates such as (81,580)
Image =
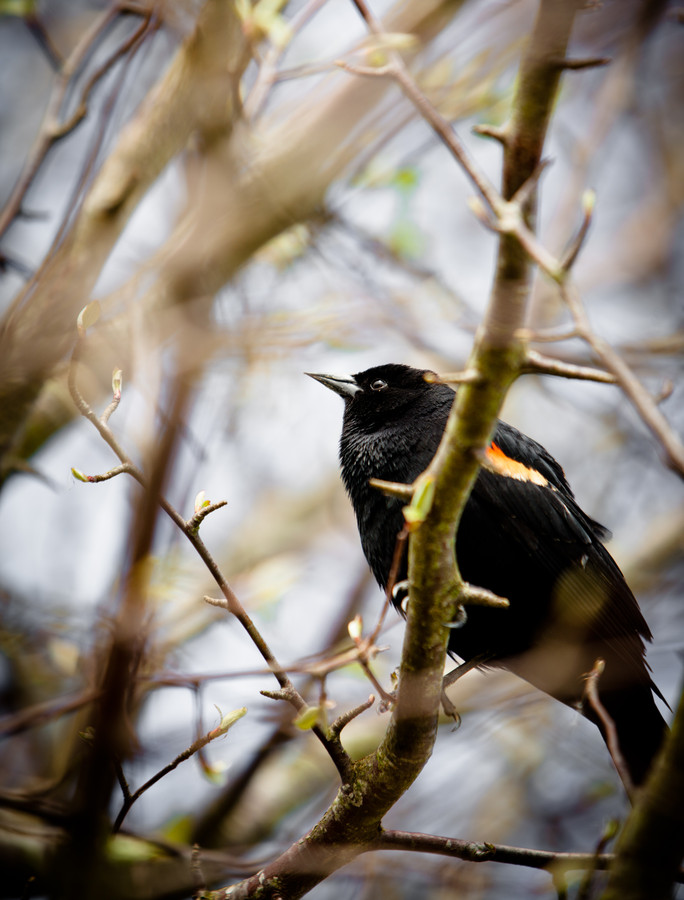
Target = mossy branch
(649,850)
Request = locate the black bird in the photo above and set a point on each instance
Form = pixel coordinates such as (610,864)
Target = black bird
(524,537)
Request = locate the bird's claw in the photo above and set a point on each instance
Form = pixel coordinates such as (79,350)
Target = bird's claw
(460,620)
(400,595)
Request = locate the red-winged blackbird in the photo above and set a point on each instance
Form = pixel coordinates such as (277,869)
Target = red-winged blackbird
(522,536)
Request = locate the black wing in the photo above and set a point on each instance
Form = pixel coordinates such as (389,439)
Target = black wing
(533,544)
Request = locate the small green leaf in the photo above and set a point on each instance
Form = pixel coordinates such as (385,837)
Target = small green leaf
(406,239)
(588,201)
(424,493)
(308,717)
(23,8)
(117,382)
(230,719)
(406,179)
(124,848)
(610,832)
(355,628)
(79,475)
(179,829)
(87,317)
(214,772)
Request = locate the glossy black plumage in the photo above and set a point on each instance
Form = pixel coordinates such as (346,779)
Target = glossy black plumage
(522,536)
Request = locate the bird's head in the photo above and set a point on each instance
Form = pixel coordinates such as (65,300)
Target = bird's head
(383,394)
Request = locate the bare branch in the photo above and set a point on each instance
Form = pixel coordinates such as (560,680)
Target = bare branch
(194,523)
(342,721)
(467,376)
(232,603)
(486,852)
(472,595)
(393,488)
(59,131)
(592,62)
(268,75)
(195,747)
(47,134)
(629,383)
(572,252)
(591,694)
(538,364)
(491,131)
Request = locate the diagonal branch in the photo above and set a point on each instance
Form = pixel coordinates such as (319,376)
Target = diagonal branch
(191,531)
(640,398)
(194,96)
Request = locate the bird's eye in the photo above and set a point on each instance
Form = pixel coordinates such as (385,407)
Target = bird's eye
(378,385)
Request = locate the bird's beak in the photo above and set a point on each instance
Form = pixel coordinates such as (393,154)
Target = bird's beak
(344,385)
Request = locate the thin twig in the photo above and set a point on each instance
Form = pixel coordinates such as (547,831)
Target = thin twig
(640,398)
(397,558)
(467,376)
(590,62)
(550,336)
(123,782)
(461,670)
(472,595)
(123,469)
(591,693)
(510,220)
(194,523)
(41,35)
(117,379)
(473,851)
(340,758)
(538,364)
(47,135)
(584,892)
(393,488)
(347,717)
(130,798)
(397,70)
(81,111)
(268,74)
(576,244)
(36,715)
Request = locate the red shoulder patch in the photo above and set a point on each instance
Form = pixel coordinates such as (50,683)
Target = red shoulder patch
(498,462)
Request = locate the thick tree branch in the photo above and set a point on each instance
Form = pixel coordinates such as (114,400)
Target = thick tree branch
(650,849)
(195,96)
